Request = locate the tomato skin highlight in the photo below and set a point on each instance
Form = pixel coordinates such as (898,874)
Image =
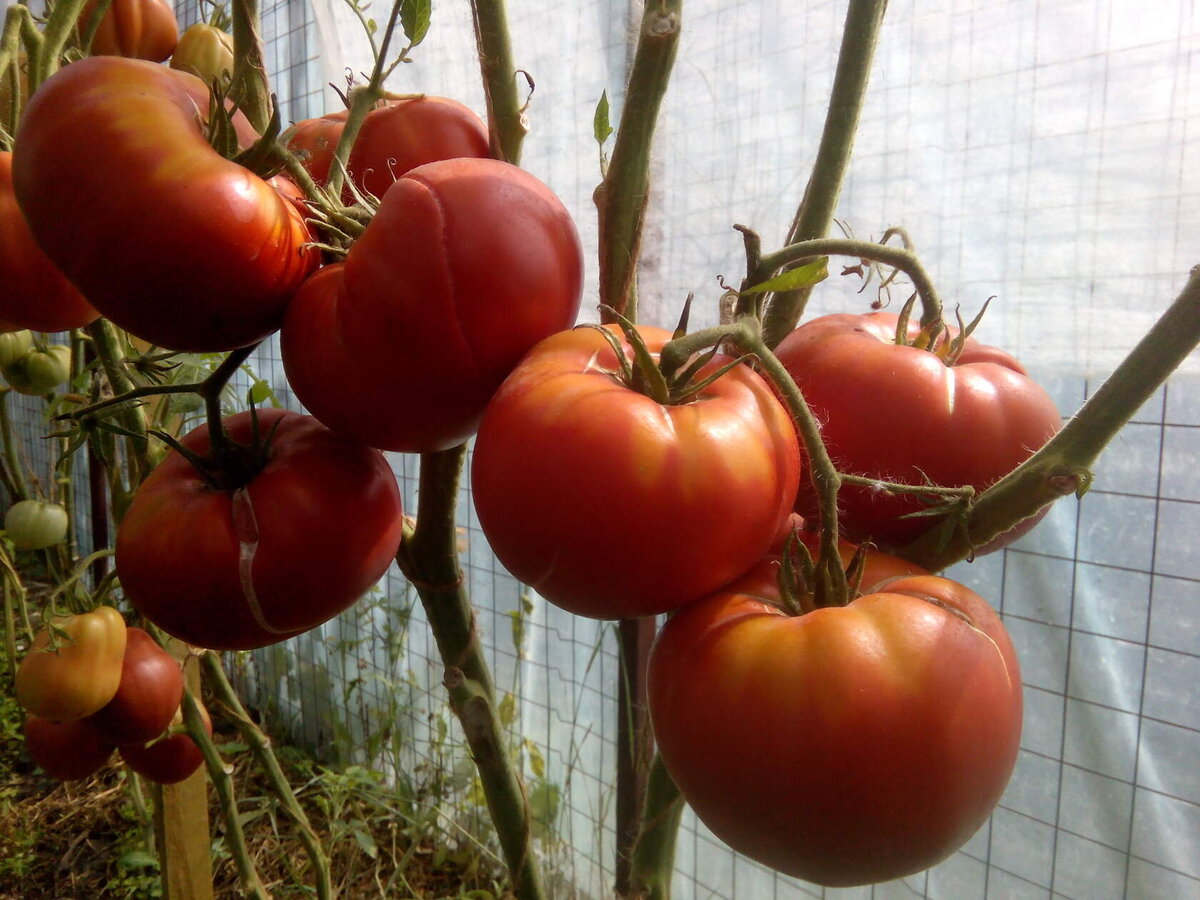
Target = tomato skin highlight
(866,742)
(80,674)
(319,525)
(467,264)
(611,505)
(177,245)
(34,294)
(899,414)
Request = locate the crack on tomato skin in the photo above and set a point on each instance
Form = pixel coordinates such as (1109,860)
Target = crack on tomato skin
(245,527)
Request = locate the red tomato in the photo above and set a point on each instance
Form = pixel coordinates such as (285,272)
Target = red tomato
(396,137)
(150,692)
(274,554)
(172,758)
(900,414)
(846,746)
(174,243)
(33,293)
(139,29)
(67,751)
(467,264)
(611,505)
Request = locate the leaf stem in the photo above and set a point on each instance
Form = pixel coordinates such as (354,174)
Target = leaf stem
(654,853)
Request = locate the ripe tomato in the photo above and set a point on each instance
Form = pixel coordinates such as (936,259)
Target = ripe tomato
(846,746)
(252,564)
(174,243)
(138,29)
(611,505)
(67,751)
(78,675)
(148,696)
(170,759)
(35,524)
(900,414)
(33,293)
(467,264)
(394,138)
(206,52)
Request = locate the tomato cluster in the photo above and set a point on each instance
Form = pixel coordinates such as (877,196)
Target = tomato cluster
(868,732)
(89,686)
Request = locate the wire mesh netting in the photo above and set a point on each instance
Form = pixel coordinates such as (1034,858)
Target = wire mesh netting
(1042,152)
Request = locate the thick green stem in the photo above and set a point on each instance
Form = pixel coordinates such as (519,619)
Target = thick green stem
(654,853)
(218,773)
(429,559)
(107,346)
(506,122)
(1061,467)
(864,20)
(11,468)
(59,28)
(622,196)
(260,746)
(249,86)
(897,257)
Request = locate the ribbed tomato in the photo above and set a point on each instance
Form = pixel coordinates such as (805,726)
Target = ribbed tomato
(171,241)
(849,745)
(613,505)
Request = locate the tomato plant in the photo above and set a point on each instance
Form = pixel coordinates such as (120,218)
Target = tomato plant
(33,292)
(611,504)
(138,29)
(75,671)
(467,264)
(898,413)
(178,245)
(254,551)
(206,52)
(35,524)
(147,697)
(171,758)
(845,746)
(67,751)
(396,137)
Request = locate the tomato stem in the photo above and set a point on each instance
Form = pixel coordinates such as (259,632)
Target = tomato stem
(653,862)
(900,258)
(864,20)
(249,86)
(622,195)
(746,334)
(1061,467)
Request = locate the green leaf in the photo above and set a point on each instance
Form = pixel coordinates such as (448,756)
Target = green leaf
(137,859)
(802,276)
(537,762)
(545,797)
(366,842)
(601,128)
(507,709)
(260,392)
(414,17)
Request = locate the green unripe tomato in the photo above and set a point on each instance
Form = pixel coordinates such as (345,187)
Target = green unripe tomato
(14,345)
(40,371)
(35,524)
